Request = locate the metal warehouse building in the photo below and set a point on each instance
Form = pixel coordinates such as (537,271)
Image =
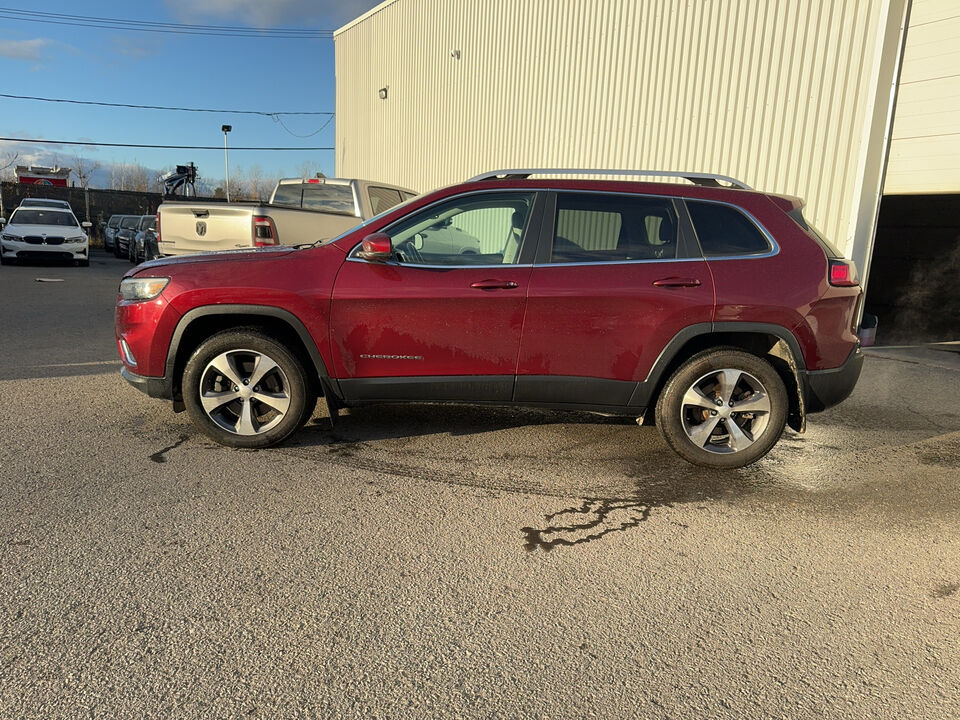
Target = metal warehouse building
(835,101)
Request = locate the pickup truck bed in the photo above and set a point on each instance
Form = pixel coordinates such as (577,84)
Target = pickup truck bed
(300,211)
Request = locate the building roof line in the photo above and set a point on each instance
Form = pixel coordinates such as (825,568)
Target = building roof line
(356,21)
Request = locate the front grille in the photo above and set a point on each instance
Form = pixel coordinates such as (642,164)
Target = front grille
(37,240)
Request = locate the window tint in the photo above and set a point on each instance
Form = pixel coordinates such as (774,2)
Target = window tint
(612,228)
(288,194)
(383,199)
(482,229)
(130,222)
(147,221)
(29,216)
(724,230)
(114,221)
(329,198)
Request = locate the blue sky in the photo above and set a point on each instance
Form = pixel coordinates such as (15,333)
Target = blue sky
(271,75)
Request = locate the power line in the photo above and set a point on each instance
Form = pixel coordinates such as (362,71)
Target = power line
(156,147)
(159,107)
(162,27)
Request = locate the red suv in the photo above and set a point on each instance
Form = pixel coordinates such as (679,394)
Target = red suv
(711,309)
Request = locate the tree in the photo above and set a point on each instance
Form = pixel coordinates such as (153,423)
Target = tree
(8,162)
(83,169)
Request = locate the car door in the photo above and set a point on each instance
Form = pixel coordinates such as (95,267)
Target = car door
(441,319)
(616,277)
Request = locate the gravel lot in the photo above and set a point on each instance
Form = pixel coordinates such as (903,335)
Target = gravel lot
(455,562)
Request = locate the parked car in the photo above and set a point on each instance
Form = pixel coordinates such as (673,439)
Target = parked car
(300,210)
(110,231)
(717,312)
(44,202)
(129,225)
(145,241)
(38,232)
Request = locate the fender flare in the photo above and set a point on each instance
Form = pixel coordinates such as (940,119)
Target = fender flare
(647,389)
(262,310)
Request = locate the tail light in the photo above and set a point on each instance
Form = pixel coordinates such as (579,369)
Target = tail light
(264,231)
(157,231)
(843,273)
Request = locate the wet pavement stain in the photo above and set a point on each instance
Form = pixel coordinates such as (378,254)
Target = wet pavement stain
(945,590)
(160,456)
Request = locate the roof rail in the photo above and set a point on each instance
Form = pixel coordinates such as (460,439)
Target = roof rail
(705,179)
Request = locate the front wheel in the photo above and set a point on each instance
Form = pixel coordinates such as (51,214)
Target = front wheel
(723,408)
(244,389)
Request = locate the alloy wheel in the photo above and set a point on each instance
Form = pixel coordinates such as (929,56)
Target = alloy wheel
(725,411)
(245,392)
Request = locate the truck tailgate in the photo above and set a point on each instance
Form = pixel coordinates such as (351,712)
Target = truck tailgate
(191,228)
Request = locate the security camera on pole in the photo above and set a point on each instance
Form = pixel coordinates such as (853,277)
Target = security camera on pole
(226,158)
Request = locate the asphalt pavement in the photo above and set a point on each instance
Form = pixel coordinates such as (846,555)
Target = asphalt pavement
(461,562)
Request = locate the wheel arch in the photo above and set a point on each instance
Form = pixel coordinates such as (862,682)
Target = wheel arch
(774,343)
(198,324)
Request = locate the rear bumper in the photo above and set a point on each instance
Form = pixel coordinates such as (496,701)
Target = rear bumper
(826,388)
(155,387)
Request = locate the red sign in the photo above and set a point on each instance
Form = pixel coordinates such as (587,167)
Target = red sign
(33,180)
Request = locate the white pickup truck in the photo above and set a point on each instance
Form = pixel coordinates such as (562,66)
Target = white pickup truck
(301,210)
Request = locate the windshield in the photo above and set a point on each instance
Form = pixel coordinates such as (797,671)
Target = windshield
(42,217)
(148,222)
(130,223)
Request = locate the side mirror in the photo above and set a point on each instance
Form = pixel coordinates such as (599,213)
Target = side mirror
(376,247)
(86,225)
(3,221)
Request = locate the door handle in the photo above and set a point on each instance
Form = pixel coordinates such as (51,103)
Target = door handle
(676,282)
(494,285)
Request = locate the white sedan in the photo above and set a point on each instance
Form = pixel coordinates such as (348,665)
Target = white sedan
(44,232)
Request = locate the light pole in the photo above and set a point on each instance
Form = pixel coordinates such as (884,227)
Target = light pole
(226,157)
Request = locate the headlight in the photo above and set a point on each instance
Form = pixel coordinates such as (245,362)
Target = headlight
(146,288)
(10,238)
(78,238)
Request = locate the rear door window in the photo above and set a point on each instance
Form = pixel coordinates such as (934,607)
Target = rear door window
(724,231)
(382,198)
(592,227)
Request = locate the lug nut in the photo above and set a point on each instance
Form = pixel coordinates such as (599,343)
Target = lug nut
(236,388)
(713,413)
(246,382)
(256,388)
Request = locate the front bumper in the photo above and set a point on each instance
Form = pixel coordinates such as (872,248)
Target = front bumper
(155,387)
(13,249)
(826,388)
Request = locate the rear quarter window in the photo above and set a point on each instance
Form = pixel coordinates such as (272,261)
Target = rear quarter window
(725,231)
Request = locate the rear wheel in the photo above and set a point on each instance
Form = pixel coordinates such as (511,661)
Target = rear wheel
(244,389)
(723,408)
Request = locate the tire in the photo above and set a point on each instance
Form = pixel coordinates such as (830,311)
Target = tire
(116,249)
(242,418)
(132,252)
(696,424)
(5,261)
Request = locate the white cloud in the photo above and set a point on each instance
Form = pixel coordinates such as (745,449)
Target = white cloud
(30,50)
(260,14)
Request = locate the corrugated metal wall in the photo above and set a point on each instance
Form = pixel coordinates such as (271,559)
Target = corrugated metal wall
(925,153)
(789,96)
